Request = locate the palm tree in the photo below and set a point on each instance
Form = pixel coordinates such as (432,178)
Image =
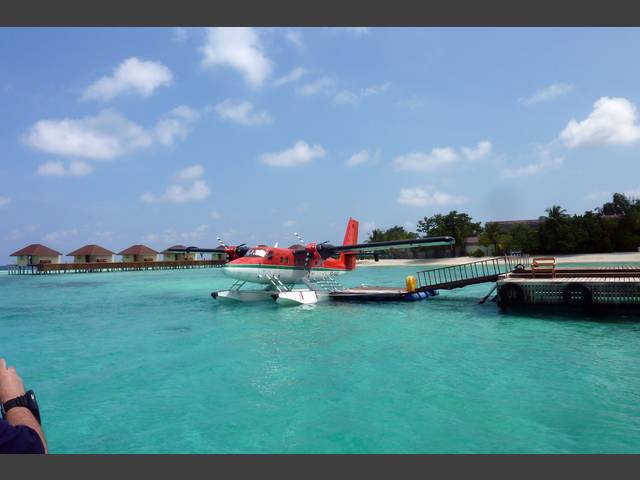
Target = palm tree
(556,212)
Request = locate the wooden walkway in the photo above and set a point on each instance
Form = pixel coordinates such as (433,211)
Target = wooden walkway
(51,268)
(458,276)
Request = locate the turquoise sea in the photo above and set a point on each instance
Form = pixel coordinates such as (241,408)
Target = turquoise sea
(148,362)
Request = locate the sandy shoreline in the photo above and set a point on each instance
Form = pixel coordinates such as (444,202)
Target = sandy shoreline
(624,257)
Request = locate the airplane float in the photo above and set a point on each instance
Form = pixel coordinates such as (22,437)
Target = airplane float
(315,265)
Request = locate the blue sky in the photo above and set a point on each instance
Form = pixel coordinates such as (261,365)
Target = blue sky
(164,136)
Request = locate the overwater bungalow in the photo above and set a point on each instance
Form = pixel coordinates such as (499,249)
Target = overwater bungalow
(92,254)
(37,254)
(169,256)
(139,253)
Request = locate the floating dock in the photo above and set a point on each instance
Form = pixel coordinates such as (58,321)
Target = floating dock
(377,294)
(606,287)
(525,281)
(50,268)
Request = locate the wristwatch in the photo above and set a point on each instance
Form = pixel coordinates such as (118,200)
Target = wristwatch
(28,400)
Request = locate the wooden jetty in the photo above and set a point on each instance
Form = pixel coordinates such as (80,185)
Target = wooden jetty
(51,268)
(521,281)
(589,287)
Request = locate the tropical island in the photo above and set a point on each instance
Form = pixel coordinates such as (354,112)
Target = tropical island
(612,227)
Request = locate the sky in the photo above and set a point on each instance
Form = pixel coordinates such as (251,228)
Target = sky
(163,136)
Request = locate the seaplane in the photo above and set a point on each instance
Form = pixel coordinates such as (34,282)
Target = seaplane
(314,265)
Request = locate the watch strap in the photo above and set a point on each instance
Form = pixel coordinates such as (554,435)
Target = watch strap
(21,401)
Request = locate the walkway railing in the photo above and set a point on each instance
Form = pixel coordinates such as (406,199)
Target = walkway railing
(44,268)
(456,276)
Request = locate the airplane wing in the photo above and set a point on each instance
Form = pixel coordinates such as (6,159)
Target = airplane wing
(197,250)
(387,245)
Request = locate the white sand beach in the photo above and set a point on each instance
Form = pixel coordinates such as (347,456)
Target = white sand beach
(621,258)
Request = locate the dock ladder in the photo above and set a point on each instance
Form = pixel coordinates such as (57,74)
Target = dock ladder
(457,276)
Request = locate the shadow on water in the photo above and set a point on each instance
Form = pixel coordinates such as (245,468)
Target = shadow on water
(561,313)
(72,284)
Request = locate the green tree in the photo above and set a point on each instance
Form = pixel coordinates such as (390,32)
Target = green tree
(525,239)
(619,205)
(493,236)
(394,233)
(454,224)
(556,212)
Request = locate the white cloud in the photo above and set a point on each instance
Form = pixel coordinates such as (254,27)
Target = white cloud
(600,195)
(613,121)
(185,113)
(242,112)
(295,37)
(321,85)
(76,168)
(20,232)
(103,234)
(171,235)
(357,31)
(361,157)
(55,237)
(4,201)
(189,188)
(345,96)
(131,76)
(353,97)
(215,215)
(482,150)
(368,227)
(293,76)
(175,125)
(104,136)
(422,197)
(532,169)
(441,157)
(551,92)
(177,193)
(633,193)
(189,173)
(412,103)
(238,48)
(289,223)
(180,34)
(300,154)
(426,162)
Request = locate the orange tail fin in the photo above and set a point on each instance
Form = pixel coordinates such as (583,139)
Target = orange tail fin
(350,238)
(351,235)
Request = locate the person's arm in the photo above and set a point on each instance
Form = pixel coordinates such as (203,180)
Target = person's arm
(11,386)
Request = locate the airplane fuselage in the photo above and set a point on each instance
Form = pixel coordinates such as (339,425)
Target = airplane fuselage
(289,265)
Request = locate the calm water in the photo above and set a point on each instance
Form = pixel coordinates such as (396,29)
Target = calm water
(148,362)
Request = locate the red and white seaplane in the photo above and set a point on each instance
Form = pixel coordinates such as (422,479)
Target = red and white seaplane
(315,265)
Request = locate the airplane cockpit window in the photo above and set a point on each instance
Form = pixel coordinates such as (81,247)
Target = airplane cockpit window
(256,252)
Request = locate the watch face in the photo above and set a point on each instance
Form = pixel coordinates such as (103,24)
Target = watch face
(31,398)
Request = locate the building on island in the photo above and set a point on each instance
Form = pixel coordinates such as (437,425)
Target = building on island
(92,254)
(507,226)
(36,254)
(471,244)
(139,253)
(169,256)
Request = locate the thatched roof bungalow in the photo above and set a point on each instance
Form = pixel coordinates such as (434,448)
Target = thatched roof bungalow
(139,253)
(36,254)
(92,254)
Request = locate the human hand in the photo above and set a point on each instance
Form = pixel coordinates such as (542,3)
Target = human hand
(11,385)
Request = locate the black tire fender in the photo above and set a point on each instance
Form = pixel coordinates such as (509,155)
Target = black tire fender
(511,294)
(577,294)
